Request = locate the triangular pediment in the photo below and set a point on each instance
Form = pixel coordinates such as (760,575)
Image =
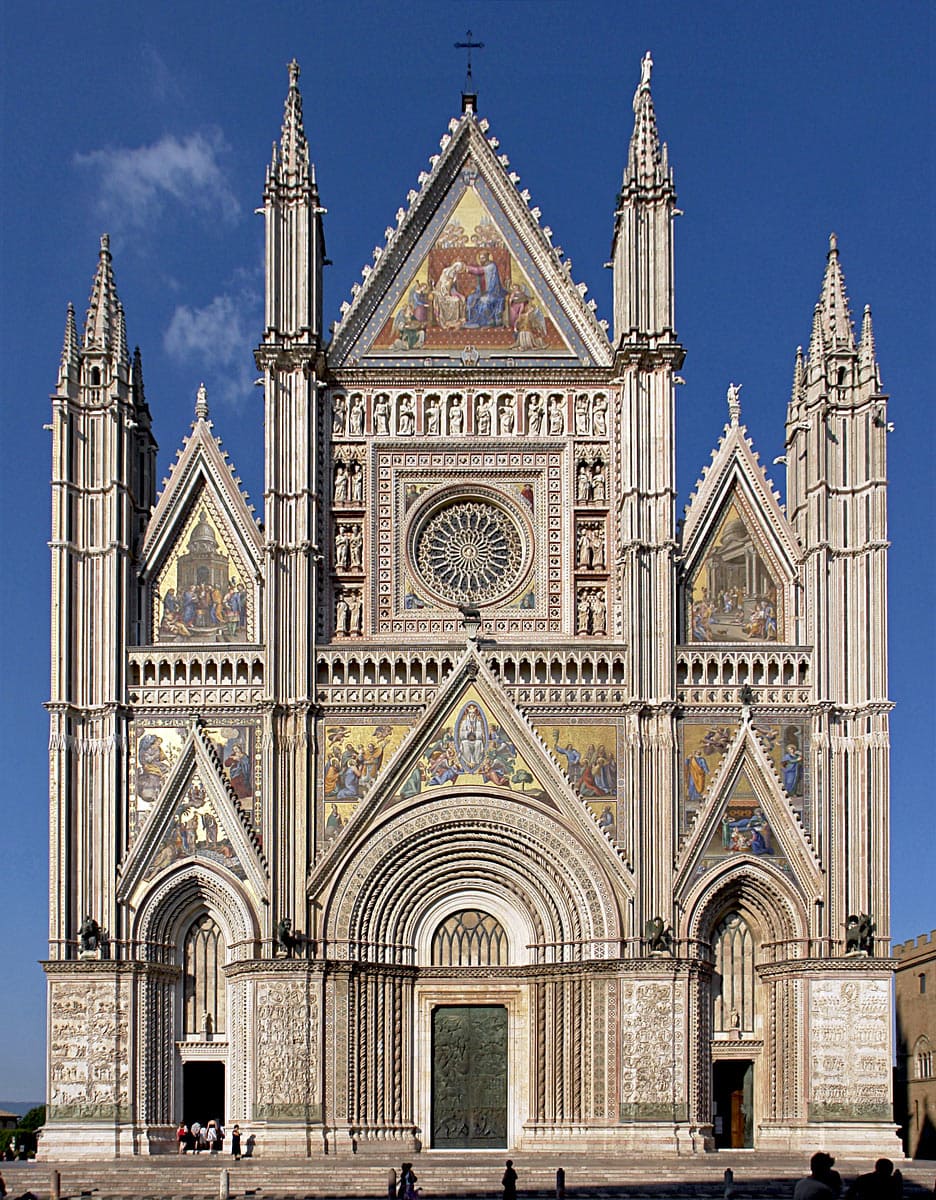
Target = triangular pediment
(745,815)
(468,276)
(202,551)
(197,816)
(740,554)
(471,741)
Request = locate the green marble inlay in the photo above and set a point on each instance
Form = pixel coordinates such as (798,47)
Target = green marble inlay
(89,1112)
(654,1112)
(288,1112)
(850,1112)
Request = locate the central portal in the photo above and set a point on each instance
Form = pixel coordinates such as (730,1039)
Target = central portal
(469,1077)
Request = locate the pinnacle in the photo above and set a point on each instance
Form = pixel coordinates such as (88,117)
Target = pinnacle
(644,160)
(292,157)
(70,344)
(104,325)
(833,302)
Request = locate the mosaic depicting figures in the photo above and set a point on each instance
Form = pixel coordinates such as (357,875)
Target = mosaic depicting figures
(702,746)
(744,829)
(157,747)
(196,832)
(201,595)
(354,757)
(733,593)
(588,757)
(470,748)
(469,290)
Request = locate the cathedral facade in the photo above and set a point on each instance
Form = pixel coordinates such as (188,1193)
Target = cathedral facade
(468,800)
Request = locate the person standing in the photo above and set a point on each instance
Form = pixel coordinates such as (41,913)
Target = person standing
(235,1143)
(510,1181)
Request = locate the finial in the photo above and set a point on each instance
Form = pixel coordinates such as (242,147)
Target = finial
(734,402)
(105,244)
(293,68)
(646,67)
(833,243)
(201,403)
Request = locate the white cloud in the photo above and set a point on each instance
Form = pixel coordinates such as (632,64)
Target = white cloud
(155,70)
(216,340)
(135,186)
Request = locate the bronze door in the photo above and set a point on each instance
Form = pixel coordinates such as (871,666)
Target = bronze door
(469,1077)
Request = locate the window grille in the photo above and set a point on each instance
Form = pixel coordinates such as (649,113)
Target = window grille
(470,938)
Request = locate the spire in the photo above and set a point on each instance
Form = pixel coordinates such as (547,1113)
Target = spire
(292,157)
(867,355)
(816,339)
(69,360)
(201,403)
(104,329)
(833,303)
(645,160)
(136,379)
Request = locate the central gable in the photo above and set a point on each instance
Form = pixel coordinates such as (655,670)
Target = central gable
(468,277)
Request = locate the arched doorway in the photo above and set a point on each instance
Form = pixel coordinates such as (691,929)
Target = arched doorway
(742,913)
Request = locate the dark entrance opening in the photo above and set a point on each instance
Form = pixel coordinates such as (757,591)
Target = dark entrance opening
(733,1103)
(469,1077)
(203,1092)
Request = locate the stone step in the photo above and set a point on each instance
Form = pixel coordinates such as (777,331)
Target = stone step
(757,1177)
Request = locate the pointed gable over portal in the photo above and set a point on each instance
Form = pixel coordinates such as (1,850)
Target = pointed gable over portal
(468,275)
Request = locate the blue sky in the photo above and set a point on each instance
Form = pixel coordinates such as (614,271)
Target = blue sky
(154,122)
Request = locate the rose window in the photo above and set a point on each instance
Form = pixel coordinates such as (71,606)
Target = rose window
(470,553)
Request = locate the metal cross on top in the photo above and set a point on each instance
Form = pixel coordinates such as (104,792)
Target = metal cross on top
(469,45)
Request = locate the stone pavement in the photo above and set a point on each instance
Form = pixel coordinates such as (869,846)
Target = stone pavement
(441,1176)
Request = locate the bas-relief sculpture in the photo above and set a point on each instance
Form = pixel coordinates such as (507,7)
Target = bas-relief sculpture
(201,595)
(287,1051)
(653,1016)
(89,1044)
(850,1052)
(734,593)
(470,290)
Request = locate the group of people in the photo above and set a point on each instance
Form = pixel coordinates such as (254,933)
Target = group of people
(209,1138)
(204,606)
(825,1183)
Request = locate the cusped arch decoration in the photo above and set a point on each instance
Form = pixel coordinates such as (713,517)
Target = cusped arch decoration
(756,890)
(167,910)
(397,882)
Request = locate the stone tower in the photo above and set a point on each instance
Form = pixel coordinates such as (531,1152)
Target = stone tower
(463,802)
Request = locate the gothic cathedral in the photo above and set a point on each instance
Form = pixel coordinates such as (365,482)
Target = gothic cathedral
(467,799)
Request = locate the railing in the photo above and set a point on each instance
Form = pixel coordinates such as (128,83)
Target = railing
(707,674)
(154,670)
(819,947)
(113,950)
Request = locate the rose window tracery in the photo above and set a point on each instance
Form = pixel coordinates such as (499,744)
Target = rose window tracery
(470,552)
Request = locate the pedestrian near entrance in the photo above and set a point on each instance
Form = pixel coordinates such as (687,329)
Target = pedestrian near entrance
(235,1143)
(196,1134)
(510,1181)
(391,1185)
(181,1137)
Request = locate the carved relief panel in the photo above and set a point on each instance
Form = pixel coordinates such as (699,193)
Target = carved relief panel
(89,1047)
(653,1061)
(849,1050)
(288,1028)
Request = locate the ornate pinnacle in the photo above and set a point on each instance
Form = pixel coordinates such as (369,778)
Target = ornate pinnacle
(734,402)
(644,161)
(201,403)
(833,300)
(103,325)
(70,344)
(294,154)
